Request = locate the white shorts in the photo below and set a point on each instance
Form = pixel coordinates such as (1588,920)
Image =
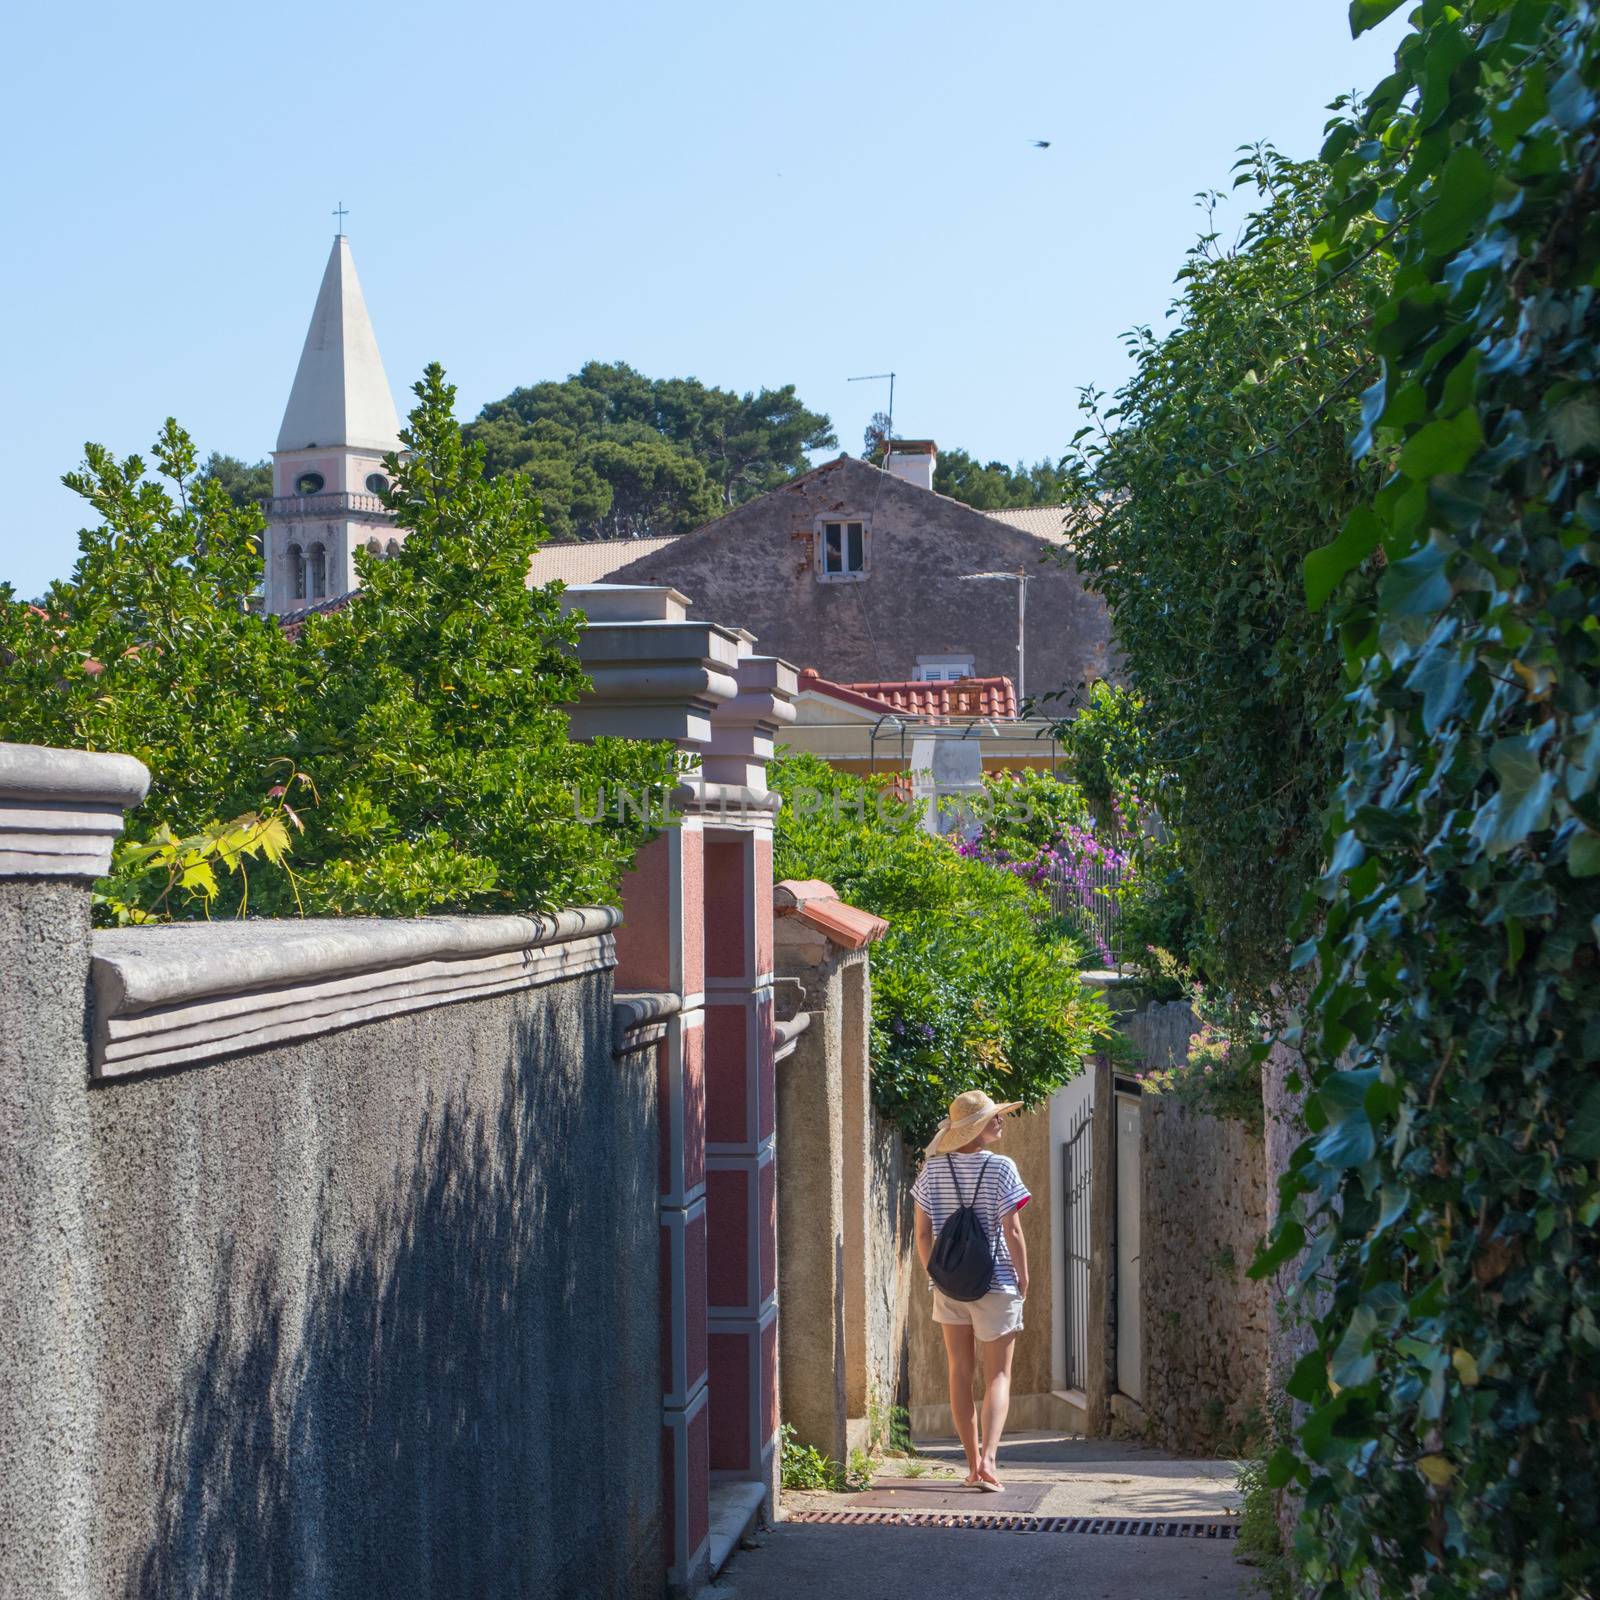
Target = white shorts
(994,1316)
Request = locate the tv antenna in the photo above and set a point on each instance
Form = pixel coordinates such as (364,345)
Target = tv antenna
(876,377)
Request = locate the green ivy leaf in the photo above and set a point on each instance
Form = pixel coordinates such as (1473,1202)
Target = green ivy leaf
(1325,568)
(1309,1380)
(1461,196)
(1281,1467)
(1583,1131)
(1575,425)
(1521,807)
(1348,1140)
(1353,1362)
(1416,586)
(1572,101)
(1583,855)
(1366,14)
(1287,1241)
(1439,675)
(1443,446)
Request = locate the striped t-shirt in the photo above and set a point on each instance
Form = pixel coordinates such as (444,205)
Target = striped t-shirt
(1001,1193)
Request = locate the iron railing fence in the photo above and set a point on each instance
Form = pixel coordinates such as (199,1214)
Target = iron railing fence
(1076,1240)
(1085,890)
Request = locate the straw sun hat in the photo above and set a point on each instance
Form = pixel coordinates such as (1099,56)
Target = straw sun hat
(970,1113)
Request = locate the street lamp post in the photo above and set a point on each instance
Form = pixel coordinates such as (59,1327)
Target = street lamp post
(1021,579)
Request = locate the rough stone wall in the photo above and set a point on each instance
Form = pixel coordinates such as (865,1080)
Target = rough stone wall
(753,567)
(892,1264)
(1161,1031)
(371,1314)
(1205,1324)
(1284,1115)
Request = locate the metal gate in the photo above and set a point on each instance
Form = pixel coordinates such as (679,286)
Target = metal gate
(1075,1177)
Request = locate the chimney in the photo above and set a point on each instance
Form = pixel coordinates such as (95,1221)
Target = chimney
(913,461)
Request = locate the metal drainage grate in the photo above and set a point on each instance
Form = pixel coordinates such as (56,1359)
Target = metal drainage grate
(1003,1522)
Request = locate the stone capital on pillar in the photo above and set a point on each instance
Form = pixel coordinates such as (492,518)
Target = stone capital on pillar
(656,674)
(61,810)
(743,728)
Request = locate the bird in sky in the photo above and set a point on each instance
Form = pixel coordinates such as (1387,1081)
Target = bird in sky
(1041,144)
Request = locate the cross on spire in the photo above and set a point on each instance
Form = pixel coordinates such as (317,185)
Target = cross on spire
(341,214)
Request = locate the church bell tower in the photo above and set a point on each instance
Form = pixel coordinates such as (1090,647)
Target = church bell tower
(327,471)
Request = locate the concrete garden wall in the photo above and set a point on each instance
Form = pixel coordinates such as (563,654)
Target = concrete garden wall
(349,1314)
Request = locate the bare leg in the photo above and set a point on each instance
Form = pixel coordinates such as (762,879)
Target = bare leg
(996,1398)
(960,1357)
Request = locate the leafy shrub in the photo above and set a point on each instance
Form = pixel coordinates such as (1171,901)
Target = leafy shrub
(974,986)
(426,714)
(1195,494)
(1112,759)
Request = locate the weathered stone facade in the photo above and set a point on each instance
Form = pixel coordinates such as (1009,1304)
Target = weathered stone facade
(1204,1188)
(757,567)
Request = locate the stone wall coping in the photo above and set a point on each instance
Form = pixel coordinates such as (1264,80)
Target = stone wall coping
(1106,978)
(61,811)
(40,772)
(626,602)
(188,992)
(786,1034)
(639,1017)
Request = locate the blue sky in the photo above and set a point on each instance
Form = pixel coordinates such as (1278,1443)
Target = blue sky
(749,194)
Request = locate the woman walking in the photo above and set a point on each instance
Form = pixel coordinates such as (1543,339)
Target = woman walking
(969,1239)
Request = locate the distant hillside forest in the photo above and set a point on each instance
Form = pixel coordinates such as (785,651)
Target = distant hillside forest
(617,455)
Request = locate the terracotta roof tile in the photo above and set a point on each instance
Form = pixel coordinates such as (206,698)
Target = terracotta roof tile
(816,905)
(967,697)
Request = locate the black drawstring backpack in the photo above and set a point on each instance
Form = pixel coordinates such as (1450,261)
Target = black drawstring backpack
(962,1262)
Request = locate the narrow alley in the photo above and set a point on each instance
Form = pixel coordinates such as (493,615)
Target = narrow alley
(1052,1532)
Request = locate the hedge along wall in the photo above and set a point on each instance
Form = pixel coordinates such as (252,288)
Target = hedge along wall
(307,1319)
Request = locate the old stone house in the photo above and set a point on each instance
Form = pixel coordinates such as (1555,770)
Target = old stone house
(860,573)
(867,576)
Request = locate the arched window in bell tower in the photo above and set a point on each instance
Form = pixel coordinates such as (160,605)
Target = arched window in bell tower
(297,572)
(319,571)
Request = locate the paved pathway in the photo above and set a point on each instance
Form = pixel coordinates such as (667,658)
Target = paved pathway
(1046,1475)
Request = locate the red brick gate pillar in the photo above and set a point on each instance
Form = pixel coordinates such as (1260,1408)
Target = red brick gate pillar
(741,1172)
(657,675)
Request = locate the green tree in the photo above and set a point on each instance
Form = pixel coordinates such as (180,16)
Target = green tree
(742,445)
(875,438)
(1219,465)
(993,486)
(245,483)
(573,497)
(426,714)
(654,488)
(1449,1192)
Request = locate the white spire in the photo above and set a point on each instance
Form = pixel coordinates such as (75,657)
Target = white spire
(341,393)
